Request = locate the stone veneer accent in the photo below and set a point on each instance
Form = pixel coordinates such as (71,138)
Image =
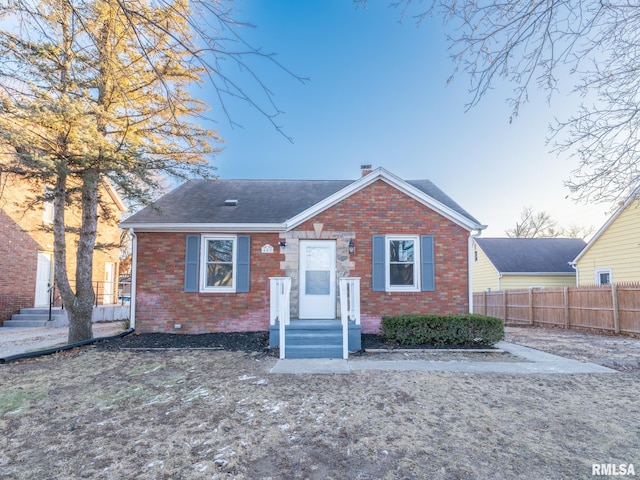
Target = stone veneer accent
(290,265)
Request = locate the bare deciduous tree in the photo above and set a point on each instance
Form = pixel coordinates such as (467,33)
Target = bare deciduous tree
(595,45)
(534,224)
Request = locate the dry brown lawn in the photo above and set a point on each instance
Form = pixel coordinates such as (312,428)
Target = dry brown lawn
(214,414)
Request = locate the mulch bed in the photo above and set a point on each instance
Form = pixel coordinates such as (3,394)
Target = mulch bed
(234,342)
(248,342)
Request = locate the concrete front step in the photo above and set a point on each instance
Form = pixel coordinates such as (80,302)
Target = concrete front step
(34,318)
(313,351)
(315,338)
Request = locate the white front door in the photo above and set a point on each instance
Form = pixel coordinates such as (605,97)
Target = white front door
(109,280)
(317,279)
(44,278)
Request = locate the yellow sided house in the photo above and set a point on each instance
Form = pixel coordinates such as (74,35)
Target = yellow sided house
(613,254)
(517,263)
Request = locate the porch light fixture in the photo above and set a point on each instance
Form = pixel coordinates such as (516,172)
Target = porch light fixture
(282,243)
(352,247)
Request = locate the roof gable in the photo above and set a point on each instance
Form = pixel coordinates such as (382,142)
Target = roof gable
(531,255)
(275,205)
(635,196)
(423,191)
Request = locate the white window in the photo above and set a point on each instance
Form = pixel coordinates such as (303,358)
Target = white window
(218,260)
(47,214)
(603,276)
(402,259)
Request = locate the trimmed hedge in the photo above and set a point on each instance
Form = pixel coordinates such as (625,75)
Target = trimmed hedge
(451,330)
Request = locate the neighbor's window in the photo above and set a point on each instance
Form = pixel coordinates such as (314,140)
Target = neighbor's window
(402,263)
(47,214)
(603,276)
(218,260)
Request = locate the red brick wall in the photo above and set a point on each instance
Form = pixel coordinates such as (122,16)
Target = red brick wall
(376,210)
(161,301)
(18,262)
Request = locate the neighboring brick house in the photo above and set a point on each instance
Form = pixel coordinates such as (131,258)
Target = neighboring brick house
(205,251)
(26,246)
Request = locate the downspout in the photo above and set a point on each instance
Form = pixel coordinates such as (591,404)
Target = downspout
(575,267)
(472,236)
(134,264)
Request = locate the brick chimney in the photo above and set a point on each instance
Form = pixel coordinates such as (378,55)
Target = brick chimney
(365,169)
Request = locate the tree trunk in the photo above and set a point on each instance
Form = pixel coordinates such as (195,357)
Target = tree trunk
(79,304)
(80,314)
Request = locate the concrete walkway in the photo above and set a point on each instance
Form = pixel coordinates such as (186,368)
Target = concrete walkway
(533,361)
(16,340)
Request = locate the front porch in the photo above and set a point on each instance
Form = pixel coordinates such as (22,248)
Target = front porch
(315,338)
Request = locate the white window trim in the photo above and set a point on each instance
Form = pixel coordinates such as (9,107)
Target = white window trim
(416,264)
(203,264)
(604,270)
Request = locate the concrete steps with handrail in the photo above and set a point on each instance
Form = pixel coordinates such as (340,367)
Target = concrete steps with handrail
(315,338)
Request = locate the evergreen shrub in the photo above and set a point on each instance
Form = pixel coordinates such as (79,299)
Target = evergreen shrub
(450,330)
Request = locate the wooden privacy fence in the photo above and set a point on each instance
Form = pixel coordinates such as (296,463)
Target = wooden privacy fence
(604,307)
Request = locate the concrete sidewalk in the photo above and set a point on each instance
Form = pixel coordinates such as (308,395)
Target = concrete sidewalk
(533,361)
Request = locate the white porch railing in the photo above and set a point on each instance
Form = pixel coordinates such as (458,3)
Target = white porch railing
(349,308)
(280,289)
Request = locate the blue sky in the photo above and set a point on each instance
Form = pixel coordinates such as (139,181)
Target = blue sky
(377,94)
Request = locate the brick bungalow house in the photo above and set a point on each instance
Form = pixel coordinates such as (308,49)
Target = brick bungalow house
(208,254)
(26,247)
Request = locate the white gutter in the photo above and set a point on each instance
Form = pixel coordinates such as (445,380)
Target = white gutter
(472,236)
(206,227)
(534,274)
(134,264)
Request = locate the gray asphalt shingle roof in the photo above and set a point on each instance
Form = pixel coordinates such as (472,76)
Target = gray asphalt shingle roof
(259,201)
(531,255)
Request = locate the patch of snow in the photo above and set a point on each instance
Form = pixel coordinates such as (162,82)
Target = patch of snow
(200,467)
(156,464)
(161,398)
(199,392)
